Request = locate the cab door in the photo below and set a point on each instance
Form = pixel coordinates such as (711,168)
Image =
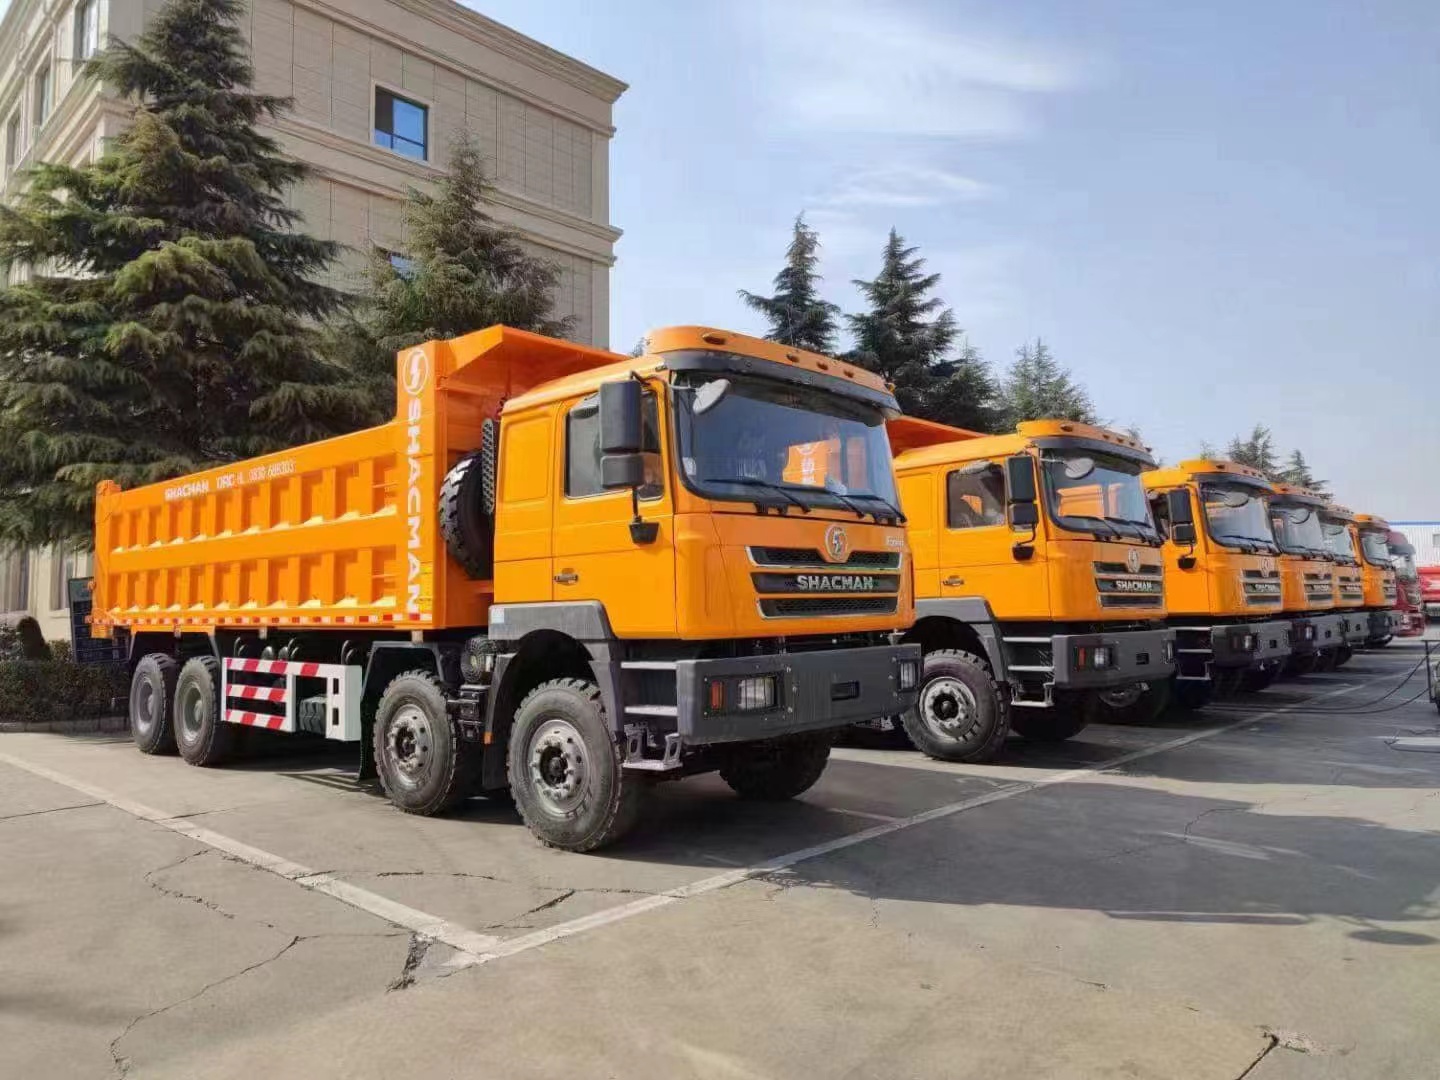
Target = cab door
(595,556)
(976,544)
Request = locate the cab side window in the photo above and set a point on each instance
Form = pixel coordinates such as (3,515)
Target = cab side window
(582,449)
(1160,510)
(975,496)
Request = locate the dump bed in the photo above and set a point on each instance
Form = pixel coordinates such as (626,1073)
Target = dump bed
(334,533)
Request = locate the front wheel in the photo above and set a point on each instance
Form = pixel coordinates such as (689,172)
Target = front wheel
(423,766)
(1065,719)
(1258,679)
(566,772)
(959,714)
(1343,655)
(1137,704)
(1303,663)
(1192,695)
(1226,682)
(776,771)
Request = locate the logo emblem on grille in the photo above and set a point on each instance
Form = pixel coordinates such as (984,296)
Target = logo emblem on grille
(1268,565)
(837,544)
(1132,560)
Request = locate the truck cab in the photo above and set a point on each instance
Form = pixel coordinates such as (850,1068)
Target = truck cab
(1223,590)
(1343,543)
(1038,581)
(1408,599)
(1307,579)
(559,571)
(1377,567)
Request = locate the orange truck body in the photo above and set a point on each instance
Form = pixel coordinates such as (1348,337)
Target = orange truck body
(709,611)
(1307,578)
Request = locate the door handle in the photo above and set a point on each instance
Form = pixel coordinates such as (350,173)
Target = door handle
(566,577)
(952,581)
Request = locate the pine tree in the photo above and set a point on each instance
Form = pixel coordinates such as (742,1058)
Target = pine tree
(1297,471)
(166,322)
(462,271)
(1256,450)
(1209,452)
(797,315)
(1038,387)
(907,335)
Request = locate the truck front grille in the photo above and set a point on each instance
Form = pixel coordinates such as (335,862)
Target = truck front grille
(1262,592)
(810,557)
(1121,587)
(1128,600)
(796,606)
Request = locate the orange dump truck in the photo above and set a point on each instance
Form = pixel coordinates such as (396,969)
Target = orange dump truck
(558,570)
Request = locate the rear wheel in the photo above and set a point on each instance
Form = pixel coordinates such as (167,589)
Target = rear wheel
(1137,704)
(202,737)
(779,770)
(1065,719)
(423,765)
(959,714)
(566,772)
(1192,694)
(152,703)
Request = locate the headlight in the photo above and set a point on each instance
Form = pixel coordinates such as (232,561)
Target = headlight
(909,674)
(755,693)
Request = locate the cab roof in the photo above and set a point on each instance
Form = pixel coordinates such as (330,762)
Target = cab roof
(1205,468)
(1372,521)
(1340,513)
(919,443)
(1294,493)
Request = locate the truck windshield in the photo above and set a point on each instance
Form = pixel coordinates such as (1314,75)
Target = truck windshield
(1403,559)
(1337,540)
(1297,528)
(1237,517)
(754,439)
(1375,548)
(1098,493)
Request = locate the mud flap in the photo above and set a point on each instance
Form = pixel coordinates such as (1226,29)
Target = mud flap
(367,745)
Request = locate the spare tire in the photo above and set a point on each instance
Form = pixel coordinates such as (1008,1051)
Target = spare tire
(467,508)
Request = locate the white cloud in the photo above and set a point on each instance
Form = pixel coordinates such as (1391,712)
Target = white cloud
(846,67)
(900,185)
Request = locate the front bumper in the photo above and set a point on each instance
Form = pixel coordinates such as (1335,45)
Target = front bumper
(1412,624)
(1384,624)
(1356,627)
(1244,645)
(1329,633)
(1432,609)
(1139,656)
(816,691)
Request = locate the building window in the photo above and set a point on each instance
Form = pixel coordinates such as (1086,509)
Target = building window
(582,449)
(404,265)
(975,496)
(12,141)
(401,125)
(87,29)
(63,567)
(41,102)
(14,582)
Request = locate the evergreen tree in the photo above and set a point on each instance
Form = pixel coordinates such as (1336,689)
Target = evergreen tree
(166,320)
(907,335)
(797,315)
(1297,471)
(1209,452)
(462,271)
(1038,387)
(1256,450)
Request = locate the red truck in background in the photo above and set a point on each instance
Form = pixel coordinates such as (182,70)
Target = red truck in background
(1407,586)
(1430,591)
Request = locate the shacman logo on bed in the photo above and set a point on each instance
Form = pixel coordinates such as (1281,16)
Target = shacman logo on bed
(417,374)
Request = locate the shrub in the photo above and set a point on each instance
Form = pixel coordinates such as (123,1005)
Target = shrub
(44,691)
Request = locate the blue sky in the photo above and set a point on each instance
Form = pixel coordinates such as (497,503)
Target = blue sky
(1216,213)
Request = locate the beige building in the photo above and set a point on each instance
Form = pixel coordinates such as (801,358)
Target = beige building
(380,87)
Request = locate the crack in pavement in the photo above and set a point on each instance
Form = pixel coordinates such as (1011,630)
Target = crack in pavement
(52,810)
(1270,1043)
(572,889)
(414,956)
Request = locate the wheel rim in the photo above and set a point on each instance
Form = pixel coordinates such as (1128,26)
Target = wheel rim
(558,766)
(948,707)
(1123,697)
(410,746)
(192,712)
(142,706)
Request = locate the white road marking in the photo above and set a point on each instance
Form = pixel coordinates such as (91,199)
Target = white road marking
(474,948)
(459,938)
(860,814)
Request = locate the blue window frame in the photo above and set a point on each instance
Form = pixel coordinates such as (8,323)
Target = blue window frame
(401,125)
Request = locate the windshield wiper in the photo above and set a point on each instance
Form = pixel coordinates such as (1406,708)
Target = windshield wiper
(894,510)
(1145,530)
(851,503)
(1091,517)
(1247,544)
(751,481)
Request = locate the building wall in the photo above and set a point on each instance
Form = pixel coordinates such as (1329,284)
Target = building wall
(542,120)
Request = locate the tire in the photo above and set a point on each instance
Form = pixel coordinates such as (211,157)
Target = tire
(1327,659)
(566,773)
(1139,707)
(1191,695)
(200,735)
(960,715)
(152,704)
(1226,682)
(1303,663)
(778,770)
(422,763)
(1065,719)
(467,508)
(1258,679)
(1380,643)
(1343,656)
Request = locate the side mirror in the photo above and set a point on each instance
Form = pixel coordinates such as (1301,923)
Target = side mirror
(620,423)
(1020,479)
(622,471)
(1178,502)
(1024,515)
(1183,532)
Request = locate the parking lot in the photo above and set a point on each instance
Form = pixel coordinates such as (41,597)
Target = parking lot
(1251,891)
